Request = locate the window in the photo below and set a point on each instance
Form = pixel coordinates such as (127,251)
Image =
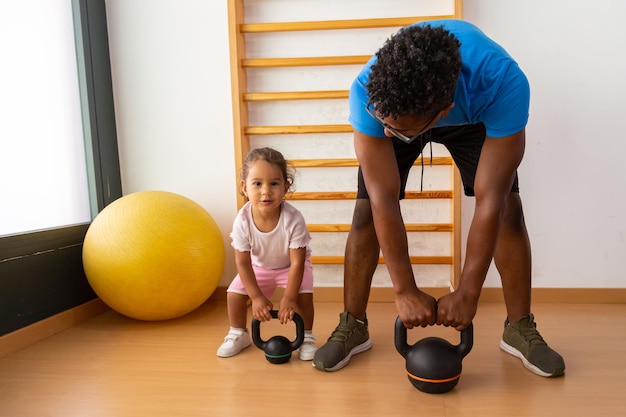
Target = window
(41,270)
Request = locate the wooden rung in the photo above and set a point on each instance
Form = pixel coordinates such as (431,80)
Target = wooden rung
(336,24)
(284,130)
(295,95)
(321,163)
(321,195)
(410,227)
(304,62)
(353,162)
(328,227)
(415,260)
(429,227)
(435,194)
(351,195)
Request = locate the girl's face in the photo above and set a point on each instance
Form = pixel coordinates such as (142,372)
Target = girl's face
(265,186)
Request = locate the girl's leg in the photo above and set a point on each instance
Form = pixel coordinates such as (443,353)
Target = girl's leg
(237,338)
(307,350)
(237,306)
(306,310)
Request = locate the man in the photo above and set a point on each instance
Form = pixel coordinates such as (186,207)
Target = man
(442,81)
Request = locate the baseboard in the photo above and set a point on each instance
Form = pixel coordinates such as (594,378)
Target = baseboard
(564,295)
(488,295)
(19,339)
(26,336)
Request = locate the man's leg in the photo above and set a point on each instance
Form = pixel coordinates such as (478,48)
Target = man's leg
(513,260)
(361,257)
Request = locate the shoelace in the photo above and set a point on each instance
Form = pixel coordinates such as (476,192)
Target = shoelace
(532,335)
(341,333)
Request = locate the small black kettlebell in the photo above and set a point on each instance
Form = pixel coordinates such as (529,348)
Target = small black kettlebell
(278,348)
(433,365)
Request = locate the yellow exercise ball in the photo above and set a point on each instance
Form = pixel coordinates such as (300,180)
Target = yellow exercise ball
(153,255)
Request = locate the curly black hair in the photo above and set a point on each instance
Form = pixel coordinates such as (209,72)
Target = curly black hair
(416,72)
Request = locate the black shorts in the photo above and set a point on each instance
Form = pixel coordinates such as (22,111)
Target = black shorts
(464,144)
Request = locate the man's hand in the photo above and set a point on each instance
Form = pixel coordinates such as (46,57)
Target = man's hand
(416,309)
(456,310)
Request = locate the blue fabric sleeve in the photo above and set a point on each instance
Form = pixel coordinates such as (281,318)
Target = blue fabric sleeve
(359,118)
(508,112)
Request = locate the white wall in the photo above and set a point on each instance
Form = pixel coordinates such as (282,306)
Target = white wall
(171,80)
(573,178)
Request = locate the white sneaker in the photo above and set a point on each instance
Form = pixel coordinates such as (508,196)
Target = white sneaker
(235,341)
(307,349)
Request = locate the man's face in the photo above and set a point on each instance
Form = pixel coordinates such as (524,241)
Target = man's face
(409,128)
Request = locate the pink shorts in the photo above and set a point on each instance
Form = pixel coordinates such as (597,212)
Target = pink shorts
(269,279)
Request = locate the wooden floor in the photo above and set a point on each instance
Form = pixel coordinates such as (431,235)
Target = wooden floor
(113,366)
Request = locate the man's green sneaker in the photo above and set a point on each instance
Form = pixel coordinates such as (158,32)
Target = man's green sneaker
(349,338)
(522,339)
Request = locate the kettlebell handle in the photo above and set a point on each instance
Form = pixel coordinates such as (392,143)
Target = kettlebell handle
(260,343)
(462,349)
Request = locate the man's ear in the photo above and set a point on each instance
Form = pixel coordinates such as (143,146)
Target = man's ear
(444,113)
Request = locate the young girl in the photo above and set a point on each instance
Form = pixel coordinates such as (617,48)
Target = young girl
(271,240)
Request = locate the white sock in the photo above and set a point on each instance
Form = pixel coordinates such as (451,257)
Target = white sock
(237,330)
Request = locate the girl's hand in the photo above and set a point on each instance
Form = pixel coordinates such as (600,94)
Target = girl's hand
(286,310)
(261,307)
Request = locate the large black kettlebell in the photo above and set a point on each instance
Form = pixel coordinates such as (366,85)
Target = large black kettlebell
(433,365)
(278,348)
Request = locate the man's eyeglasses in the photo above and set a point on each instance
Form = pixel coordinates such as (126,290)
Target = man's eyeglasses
(396,133)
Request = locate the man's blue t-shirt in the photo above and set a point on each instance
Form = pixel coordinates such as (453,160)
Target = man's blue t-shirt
(492,89)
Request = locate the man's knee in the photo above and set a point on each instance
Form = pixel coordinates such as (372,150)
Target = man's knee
(514,215)
(362,217)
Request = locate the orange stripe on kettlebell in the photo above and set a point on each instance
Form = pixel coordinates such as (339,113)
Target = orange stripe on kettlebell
(433,381)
